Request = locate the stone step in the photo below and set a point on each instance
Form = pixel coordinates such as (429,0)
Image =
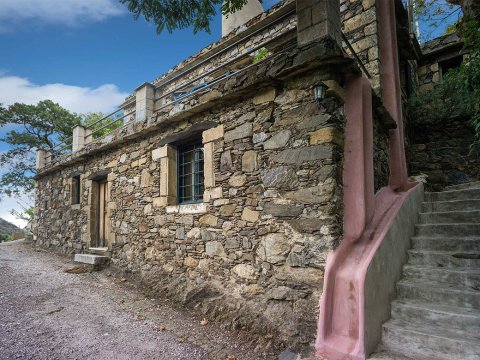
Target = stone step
(468,278)
(448,259)
(437,315)
(99,251)
(454,243)
(429,343)
(465,194)
(424,291)
(452,205)
(91,259)
(450,217)
(445,230)
(470,185)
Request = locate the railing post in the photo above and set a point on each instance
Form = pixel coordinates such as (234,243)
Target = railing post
(144,101)
(81,137)
(43,158)
(317,20)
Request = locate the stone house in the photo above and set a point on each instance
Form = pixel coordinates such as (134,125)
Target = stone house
(235,175)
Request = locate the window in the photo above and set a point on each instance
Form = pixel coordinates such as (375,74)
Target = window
(190,173)
(75,190)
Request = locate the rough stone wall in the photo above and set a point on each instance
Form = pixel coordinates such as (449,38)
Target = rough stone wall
(254,253)
(428,76)
(441,148)
(442,152)
(359,23)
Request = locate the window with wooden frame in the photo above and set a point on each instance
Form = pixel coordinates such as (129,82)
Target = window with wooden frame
(190,176)
(75,190)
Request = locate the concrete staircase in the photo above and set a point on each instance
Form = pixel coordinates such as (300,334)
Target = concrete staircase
(437,312)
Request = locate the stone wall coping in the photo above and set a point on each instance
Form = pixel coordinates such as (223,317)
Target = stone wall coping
(186,209)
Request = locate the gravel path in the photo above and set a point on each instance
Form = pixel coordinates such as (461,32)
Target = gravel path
(46,313)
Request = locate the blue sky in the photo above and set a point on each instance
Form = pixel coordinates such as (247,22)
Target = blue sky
(88,50)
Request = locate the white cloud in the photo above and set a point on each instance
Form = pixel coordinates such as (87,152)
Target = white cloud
(67,12)
(104,98)
(18,203)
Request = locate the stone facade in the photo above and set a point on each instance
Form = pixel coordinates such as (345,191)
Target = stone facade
(443,153)
(252,253)
(259,240)
(360,27)
(436,53)
(441,149)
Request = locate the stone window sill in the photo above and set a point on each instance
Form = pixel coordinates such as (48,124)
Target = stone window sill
(76,206)
(200,208)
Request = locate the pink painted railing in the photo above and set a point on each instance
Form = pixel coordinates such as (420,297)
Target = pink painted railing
(367,217)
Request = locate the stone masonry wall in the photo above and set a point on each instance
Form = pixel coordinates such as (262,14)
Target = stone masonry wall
(253,253)
(442,152)
(359,23)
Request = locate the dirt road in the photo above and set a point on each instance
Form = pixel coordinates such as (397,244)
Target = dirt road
(46,313)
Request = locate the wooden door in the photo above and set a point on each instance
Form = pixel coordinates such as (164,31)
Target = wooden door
(102,214)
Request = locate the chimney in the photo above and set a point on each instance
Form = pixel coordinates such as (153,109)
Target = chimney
(232,21)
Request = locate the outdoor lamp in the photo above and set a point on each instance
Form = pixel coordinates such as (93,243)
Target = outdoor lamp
(319,92)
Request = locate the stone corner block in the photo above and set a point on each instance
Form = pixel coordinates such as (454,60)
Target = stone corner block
(160,152)
(212,134)
(326,135)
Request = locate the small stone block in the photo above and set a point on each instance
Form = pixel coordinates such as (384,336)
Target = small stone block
(212,134)
(160,153)
(326,135)
(265,97)
(90,259)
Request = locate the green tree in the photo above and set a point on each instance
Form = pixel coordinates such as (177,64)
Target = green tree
(458,95)
(180,14)
(101,125)
(39,126)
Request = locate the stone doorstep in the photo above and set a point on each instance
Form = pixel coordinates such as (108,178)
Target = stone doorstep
(91,259)
(103,251)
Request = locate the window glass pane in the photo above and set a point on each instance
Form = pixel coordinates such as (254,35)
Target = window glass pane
(190,173)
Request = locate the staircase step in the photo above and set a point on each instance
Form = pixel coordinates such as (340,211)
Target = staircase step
(430,292)
(466,243)
(443,230)
(99,251)
(462,278)
(445,259)
(465,194)
(437,315)
(470,185)
(450,217)
(91,259)
(429,343)
(452,205)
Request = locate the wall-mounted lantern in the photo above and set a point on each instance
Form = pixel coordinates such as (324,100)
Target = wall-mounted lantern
(320,92)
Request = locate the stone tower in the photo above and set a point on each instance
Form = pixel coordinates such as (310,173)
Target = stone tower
(232,21)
